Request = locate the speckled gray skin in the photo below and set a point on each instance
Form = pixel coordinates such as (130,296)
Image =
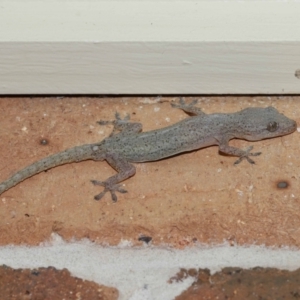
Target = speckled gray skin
(127,144)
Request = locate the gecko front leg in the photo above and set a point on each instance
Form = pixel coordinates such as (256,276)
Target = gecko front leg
(124,169)
(245,155)
(242,154)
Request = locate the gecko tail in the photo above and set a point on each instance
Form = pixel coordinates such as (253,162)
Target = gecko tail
(75,154)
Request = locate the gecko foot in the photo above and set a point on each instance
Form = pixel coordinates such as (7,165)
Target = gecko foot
(123,126)
(108,188)
(189,108)
(117,120)
(183,105)
(246,155)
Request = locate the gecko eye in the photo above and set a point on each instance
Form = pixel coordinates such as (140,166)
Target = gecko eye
(272,126)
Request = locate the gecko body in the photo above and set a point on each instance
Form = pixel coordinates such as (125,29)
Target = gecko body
(127,144)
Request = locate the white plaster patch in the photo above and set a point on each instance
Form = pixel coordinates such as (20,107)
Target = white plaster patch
(141,273)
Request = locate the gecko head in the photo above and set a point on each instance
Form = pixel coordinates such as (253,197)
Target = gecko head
(262,123)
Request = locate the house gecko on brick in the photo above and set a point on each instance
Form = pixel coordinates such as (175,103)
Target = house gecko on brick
(127,143)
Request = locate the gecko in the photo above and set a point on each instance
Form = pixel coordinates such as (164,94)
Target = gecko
(127,144)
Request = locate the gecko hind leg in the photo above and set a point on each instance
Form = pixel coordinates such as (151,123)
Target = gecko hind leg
(112,184)
(189,108)
(123,126)
(107,188)
(118,119)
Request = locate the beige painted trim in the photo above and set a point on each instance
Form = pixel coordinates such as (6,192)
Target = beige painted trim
(149,47)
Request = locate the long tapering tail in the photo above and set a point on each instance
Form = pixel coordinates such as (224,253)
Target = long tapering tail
(76,154)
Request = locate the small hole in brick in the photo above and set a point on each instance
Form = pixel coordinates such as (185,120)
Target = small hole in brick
(282,185)
(44,142)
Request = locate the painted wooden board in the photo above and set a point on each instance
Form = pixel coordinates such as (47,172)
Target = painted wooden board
(149,47)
